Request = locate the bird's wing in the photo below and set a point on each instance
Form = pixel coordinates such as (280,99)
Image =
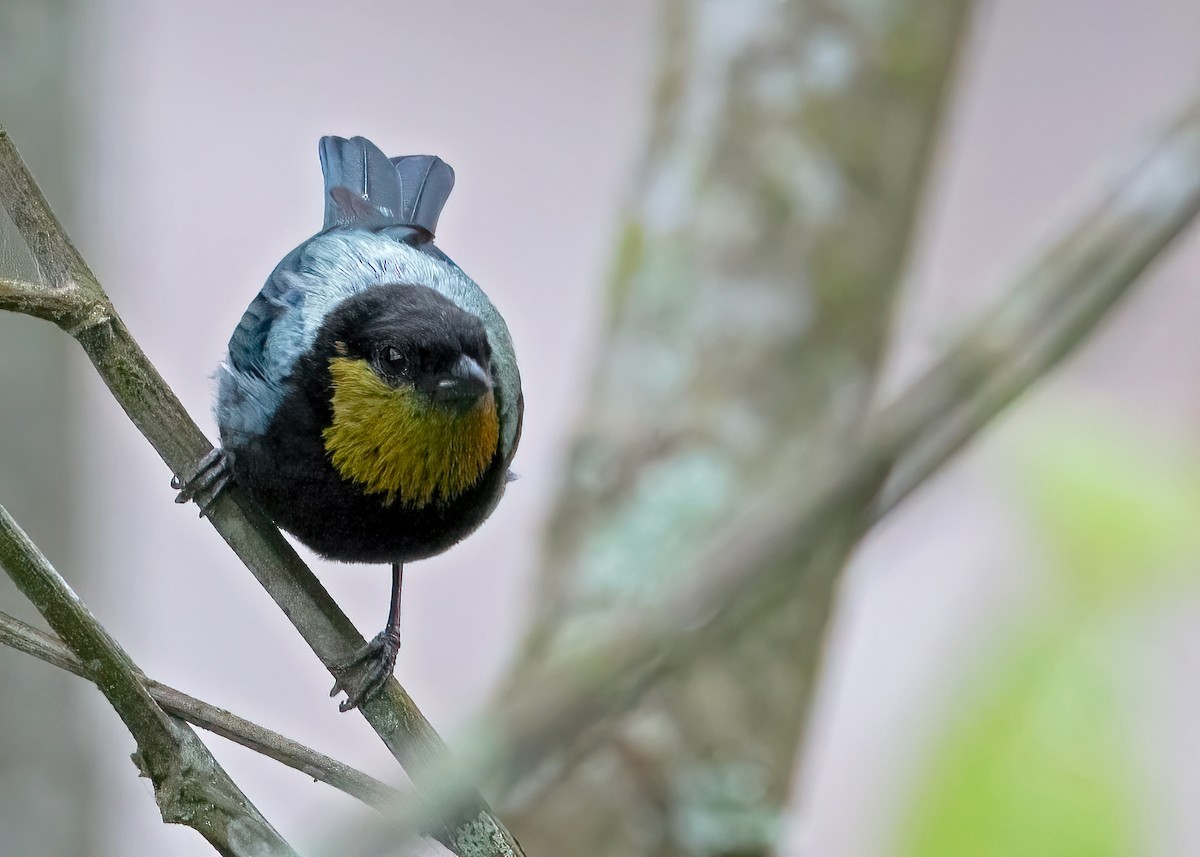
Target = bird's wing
(277,328)
(251,380)
(249,350)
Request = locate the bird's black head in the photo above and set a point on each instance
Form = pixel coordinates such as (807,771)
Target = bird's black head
(411,336)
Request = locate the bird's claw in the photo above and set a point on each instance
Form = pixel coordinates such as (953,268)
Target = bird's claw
(206,483)
(375,661)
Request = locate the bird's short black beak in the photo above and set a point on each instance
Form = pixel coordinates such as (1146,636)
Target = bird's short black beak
(465,384)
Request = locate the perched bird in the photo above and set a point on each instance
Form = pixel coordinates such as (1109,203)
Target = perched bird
(370,402)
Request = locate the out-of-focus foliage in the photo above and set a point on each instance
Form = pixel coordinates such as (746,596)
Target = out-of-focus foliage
(1037,764)
(1118,507)
(1039,757)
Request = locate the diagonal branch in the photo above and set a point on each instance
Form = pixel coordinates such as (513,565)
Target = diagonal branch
(74,300)
(189,785)
(45,647)
(1061,299)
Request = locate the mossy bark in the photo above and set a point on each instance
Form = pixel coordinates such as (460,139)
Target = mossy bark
(761,254)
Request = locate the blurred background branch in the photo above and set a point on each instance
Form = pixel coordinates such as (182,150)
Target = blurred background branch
(1060,299)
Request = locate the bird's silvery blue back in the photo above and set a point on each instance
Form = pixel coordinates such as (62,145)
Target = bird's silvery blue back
(380,216)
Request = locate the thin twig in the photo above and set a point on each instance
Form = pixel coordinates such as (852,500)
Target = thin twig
(74,300)
(1060,300)
(190,786)
(18,635)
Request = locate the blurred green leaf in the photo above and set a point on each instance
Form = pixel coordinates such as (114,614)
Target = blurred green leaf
(1119,508)
(1039,765)
(1039,760)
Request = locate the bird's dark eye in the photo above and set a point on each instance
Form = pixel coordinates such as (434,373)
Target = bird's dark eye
(393,359)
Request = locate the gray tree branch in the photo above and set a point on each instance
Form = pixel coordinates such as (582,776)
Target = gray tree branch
(190,787)
(73,299)
(25,638)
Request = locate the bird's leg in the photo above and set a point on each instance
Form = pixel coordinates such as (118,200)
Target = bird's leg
(211,476)
(377,658)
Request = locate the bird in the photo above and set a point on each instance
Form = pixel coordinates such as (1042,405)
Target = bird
(370,401)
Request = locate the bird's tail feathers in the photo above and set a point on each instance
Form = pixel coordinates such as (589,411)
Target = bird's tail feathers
(364,187)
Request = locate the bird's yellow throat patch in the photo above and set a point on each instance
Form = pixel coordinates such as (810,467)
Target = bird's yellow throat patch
(397,443)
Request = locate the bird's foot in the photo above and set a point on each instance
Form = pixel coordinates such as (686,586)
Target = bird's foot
(211,476)
(373,665)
